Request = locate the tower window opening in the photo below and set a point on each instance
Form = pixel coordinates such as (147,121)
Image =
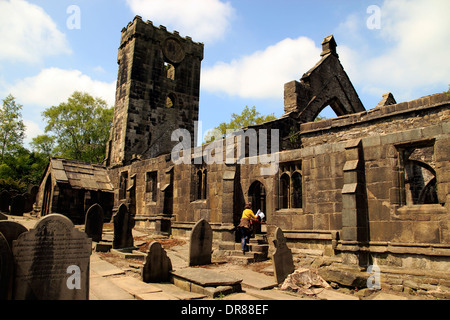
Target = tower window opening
(169,70)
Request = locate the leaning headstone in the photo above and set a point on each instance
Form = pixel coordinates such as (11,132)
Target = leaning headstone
(283,263)
(6,269)
(11,230)
(28,202)
(200,248)
(17,205)
(52,261)
(5,201)
(157,265)
(123,226)
(93,225)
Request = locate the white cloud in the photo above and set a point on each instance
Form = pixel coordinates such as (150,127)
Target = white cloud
(421,30)
(203,20)
(415,34)
(27,33)
(53,86)
(263,73)
(32,130)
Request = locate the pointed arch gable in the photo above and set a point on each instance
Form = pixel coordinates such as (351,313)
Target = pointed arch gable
(326,83)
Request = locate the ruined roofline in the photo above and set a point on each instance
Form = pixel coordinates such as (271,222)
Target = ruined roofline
(379,112)
(326,83)
(138,19)
(329,46)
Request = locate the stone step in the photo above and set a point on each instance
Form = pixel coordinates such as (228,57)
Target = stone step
(260,238)
(262,248)
(239,257)
(242,260)
(252,254)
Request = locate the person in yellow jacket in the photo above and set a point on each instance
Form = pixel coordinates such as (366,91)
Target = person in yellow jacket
(245,226)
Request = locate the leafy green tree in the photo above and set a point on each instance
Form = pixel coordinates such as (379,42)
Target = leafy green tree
(248,117)
(22,168)
(43,144)
(12,128)
(80,126)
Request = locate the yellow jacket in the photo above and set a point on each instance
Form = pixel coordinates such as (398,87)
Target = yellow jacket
(248,214)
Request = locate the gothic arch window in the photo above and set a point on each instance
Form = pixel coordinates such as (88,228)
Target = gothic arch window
(417,174)
(151,185)
(171,100)
(285,192)
(296,183)
(290,186)
(169,70)
(123,185)
(204,184)
(199,183)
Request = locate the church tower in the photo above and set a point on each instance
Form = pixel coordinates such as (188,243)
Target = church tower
(158,88)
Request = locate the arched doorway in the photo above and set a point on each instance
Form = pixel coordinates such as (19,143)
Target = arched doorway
(257,196)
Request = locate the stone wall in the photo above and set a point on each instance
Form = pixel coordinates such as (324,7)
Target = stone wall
(367,185)
(393,227)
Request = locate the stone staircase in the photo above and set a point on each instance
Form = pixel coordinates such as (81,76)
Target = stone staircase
(258,250)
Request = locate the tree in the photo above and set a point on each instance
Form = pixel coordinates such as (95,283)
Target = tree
(43,144)
(22,168)
(12,128)
(81,127)
(248,117)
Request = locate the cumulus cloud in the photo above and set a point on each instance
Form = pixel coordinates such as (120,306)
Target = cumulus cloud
(263,73)
(53,86)
(203,20)
(415,33)
(27,33)
(32,130)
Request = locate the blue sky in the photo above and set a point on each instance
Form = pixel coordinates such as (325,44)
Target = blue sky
(51,48)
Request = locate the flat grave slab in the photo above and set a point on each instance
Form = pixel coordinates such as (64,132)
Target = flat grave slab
(204,281)
(181,294)
(134,286)
(104,268)
(206,277)
(103,289)
(253,279)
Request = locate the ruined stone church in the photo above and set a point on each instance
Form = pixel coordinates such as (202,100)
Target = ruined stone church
(368,185)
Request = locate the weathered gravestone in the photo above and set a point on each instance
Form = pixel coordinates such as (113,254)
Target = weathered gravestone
(200,247)
(11,230)
(6,269)
(28,202)
(5,201)
(283,263)
(123,226)
(157,265)
(93,225)
(52,261)
(17,205)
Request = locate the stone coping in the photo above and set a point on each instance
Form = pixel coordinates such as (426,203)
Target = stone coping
(432,101)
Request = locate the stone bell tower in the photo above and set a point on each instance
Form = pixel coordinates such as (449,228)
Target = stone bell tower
(158,87)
